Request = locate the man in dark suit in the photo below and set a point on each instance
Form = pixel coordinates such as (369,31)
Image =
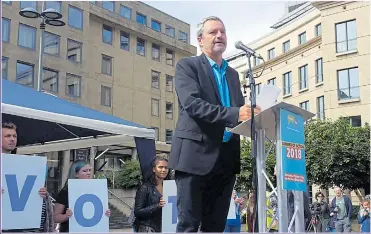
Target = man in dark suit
(204,155)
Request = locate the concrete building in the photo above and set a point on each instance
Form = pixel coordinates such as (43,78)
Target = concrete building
(319,55)
(115,57)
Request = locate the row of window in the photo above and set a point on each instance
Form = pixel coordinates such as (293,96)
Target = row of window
(75,16)
(168,135)
(156,25)
(155,76)
(346,39)
(348,81)
(27,39)
(320,107)
(107,37)
(155,108)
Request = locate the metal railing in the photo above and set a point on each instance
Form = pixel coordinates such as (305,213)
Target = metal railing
(120,199)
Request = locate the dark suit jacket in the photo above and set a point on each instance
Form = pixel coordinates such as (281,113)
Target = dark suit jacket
(202,118)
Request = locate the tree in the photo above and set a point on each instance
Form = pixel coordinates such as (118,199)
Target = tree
(130,175)
(337,154)
(244,179)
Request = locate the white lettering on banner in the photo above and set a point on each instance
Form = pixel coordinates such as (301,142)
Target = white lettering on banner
(22,177)
(88,200)
(169,211)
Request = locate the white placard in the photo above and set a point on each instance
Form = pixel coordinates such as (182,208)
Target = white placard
(22,177)
(88,200)
(169,211)
(232,210)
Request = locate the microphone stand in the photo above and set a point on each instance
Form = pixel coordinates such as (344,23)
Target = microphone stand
(250,76)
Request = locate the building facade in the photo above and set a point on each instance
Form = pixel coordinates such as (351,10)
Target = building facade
(116,57)
(319,55)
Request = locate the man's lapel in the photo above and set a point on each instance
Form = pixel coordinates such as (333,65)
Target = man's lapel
(210,74)
(232,93)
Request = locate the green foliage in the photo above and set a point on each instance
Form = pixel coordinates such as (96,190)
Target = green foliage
(130,175)
(337,154)
(244,179)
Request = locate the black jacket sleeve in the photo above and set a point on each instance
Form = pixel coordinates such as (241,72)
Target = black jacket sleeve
(141,207)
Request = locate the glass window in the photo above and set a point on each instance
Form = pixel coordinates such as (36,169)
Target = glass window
(74,51)
(286,46)
(169,83)
(156,52)
(51,43)
(319,71)
(169,136)
(321,108)
(271,54)
(348,84)
(272,81)
(107,34)
(305,105)
(109,5)
(5,29)
(4,67)
(125,12)
(73,85)
(25,74)
(287,83)
(50,80)
(27,36)
(156,25)
(183,37)
(7,2)
(56,5)
(303,77)
(355,121)
(75,17)
(106,65)
(106,96)
(141,19)
(257,89)
(256,61)
(318,30)
(124,40)
(32,4)
(302,38)
(169,57)
(155,79)
(155,107)
(346,36)
(170,31)
(169,110)
(141,47)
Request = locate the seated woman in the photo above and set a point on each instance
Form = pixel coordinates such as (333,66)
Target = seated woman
(78,170)
(148,200)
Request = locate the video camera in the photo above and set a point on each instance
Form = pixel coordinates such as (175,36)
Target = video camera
(315,208)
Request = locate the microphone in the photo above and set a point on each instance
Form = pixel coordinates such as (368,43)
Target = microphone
(240,46)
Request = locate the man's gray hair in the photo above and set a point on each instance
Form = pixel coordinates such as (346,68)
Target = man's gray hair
(200,26)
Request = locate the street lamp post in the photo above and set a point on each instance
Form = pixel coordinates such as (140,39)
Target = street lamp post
(49,16)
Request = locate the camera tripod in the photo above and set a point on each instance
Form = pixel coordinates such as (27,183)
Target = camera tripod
(314,220)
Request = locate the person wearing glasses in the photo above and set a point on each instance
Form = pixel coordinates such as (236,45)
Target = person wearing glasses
(322,213)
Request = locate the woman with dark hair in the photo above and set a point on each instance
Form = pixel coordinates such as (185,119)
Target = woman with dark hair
(78,170)
(149,200)
(321,212)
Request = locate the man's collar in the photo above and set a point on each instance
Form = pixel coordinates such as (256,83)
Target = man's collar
(212,63)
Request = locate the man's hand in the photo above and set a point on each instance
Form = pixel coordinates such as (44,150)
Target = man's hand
(245,112)
(43,192)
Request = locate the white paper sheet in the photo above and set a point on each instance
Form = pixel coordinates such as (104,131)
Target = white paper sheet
(268,96)
(232,210)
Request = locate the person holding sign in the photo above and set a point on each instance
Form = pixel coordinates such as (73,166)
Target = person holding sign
(234,225)
(148,200)
(78,170)
(204,154)
(9,139)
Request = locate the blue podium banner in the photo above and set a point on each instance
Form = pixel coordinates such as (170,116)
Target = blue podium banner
(294,175)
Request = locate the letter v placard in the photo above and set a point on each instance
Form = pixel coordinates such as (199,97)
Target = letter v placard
(21,204)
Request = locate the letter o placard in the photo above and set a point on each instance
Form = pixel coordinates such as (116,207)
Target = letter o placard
(78,210)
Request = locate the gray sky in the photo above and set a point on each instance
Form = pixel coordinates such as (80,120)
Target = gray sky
(244,20)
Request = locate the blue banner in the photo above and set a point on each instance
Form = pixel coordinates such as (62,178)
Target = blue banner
(294,175)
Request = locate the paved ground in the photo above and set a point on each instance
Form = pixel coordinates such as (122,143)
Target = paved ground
(129,230)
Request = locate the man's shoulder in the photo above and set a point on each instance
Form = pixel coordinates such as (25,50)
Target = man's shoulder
(189,60)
